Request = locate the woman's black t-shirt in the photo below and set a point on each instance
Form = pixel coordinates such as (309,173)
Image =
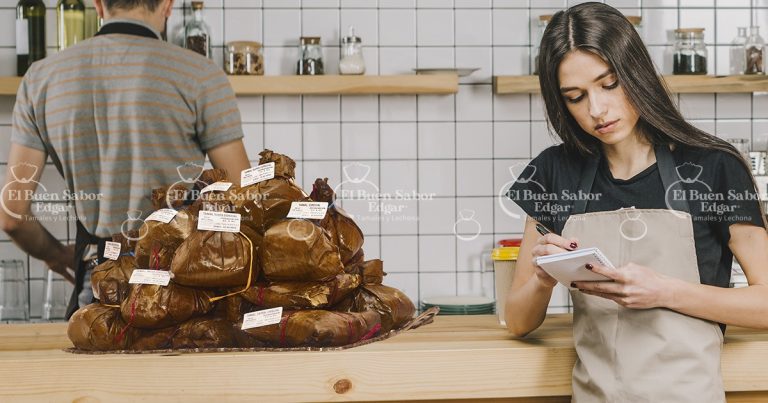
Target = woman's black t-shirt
(717,187)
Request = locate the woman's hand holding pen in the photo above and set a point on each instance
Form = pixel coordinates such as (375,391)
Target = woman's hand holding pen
(549,244)
(633,286)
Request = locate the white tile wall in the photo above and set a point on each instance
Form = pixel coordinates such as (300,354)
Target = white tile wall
(459,147)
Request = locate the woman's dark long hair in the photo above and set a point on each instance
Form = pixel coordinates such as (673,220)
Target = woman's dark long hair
(602,30)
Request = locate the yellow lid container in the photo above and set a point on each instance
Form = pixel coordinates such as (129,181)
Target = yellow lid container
(505,253)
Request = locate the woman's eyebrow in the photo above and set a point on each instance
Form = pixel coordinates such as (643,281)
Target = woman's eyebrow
(598,78)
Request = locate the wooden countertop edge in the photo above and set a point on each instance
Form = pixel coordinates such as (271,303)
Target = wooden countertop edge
(453,358)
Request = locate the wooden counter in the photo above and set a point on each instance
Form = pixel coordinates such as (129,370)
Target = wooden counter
(457,357)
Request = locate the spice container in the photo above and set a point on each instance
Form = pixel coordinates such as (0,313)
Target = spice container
(754,52)
(351,55)
(244,58)
(690,53)
(310,57)
(197,35)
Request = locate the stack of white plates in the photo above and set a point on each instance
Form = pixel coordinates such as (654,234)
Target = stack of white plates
(460,305)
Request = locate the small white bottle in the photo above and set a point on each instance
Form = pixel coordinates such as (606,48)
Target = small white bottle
(351,56)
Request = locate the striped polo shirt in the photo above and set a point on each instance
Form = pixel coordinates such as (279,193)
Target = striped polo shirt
(121,112)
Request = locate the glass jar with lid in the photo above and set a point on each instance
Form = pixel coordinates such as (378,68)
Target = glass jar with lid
(244,58)
(197,35)
(351,55)
(310,57)
(754,52)
(689,52)
(543,21)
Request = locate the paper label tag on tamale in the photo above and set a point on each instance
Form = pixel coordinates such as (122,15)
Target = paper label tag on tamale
(217,187)
(257,174)
(154,277)
(264,317)
(112,250)
(164,215)
(218,221)
(308,210)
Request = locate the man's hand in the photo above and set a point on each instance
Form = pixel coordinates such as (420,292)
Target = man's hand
(63,263)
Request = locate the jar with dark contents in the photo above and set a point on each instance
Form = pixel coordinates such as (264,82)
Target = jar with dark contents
(754,52)
(690,53)
(310,57)
(197,35)
(244,58)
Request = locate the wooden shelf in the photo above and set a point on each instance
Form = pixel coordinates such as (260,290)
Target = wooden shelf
(677,84)
(321,85)
(9,85)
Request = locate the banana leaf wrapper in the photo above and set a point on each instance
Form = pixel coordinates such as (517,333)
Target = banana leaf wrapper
(298,250)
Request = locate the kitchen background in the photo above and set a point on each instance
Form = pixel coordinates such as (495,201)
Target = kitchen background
(453,152)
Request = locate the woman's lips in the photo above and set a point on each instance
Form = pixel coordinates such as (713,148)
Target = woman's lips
(607,127)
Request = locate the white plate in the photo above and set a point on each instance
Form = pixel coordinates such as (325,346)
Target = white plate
(461,300)
(462,72)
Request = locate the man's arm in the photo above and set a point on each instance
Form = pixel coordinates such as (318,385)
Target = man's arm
(16,217)
(230,156)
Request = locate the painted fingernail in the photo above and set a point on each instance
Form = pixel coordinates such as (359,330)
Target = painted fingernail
(573,245)
(589,266)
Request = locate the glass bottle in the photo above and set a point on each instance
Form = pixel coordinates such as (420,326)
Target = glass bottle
(754,52)
(310,57)
(197,35)
(92,21)
(30,34)
(690,53)
(351,61)
(737,52)
(70,16)
(543,21)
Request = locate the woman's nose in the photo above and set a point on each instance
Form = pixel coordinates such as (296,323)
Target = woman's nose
(597,106)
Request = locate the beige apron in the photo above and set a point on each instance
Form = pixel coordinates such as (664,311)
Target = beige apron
(642,355)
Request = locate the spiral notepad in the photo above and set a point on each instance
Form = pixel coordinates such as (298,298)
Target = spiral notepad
(568,267)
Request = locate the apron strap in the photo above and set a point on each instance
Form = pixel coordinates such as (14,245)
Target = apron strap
(669,178)
(588,172)
(83,240)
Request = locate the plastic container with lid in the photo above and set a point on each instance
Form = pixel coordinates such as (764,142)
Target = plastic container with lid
(504,261)
(690,53)
(243,58)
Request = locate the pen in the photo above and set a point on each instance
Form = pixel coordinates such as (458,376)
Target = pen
(542,229)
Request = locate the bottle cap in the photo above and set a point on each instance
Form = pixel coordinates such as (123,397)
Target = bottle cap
(310,40)
(197,5)
(351,38)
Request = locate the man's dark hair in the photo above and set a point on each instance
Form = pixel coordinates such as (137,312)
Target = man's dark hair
(150,5)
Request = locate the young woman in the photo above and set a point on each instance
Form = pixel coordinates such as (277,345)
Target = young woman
(668,204)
